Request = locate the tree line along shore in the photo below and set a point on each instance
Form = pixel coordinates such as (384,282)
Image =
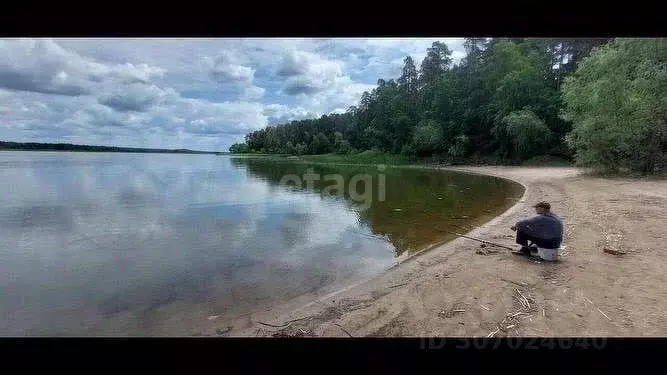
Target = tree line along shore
(34,146)
(597,103)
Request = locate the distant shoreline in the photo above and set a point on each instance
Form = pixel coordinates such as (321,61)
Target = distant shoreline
(35,146)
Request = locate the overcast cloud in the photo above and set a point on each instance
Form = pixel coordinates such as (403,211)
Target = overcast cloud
(185,93)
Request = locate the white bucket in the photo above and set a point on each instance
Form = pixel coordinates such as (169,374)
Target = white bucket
(547,254)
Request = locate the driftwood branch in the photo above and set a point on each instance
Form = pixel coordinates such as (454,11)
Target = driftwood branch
(493,333)
(344,330)
(284,324)
(591,302)
(613,251)
(524,299)
(397,285)
(513,282)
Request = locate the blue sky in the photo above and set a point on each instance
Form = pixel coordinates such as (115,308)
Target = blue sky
(186,93)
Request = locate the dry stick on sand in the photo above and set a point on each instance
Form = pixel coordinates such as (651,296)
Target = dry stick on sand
(605,315)
(344,330)
(397,285)
(521,301)
(508,322)
(591,302)
(513,282)
(493,333)
(613,251)
(524,298)
(510,319)
(284,324)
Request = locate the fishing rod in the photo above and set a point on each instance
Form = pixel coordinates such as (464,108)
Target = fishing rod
(483,241)
(454,233)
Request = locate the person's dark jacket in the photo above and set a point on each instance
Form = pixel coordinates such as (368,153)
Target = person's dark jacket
(547,226)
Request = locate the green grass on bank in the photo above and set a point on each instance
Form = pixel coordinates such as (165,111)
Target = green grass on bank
(379,157)
(365,157)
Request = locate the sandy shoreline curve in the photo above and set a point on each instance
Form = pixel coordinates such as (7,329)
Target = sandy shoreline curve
(454,289)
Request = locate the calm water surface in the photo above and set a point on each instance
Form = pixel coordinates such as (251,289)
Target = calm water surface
(148,244)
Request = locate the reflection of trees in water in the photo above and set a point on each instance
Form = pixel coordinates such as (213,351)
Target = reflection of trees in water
(420,207)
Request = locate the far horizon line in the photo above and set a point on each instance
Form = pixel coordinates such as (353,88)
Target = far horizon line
(105,146)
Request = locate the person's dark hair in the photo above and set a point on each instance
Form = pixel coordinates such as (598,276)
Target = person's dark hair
(544,205)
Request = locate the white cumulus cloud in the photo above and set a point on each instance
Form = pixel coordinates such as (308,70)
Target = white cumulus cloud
(185,93)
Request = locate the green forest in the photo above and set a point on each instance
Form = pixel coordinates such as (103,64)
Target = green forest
(600,103)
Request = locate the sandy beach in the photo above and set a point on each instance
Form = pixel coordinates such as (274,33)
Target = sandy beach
(461,289)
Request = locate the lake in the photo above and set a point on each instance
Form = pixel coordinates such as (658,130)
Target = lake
(147,244)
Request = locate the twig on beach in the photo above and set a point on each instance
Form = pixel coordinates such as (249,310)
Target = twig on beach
(493,333)
(513,282)
(519,300)
(222,331)
(613,251)
(284,324)
(605,315)
(344,330)
(524,298)
(522,301)
(458,310)
(591,302)
(273,325)
(519,292)
(397,285)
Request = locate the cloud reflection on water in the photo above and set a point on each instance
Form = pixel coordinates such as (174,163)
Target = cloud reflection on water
(91,237)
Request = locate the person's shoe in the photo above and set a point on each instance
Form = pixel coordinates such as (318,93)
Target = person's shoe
(528,250)
(524,251)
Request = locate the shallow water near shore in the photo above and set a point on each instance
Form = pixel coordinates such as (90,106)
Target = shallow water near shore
(104,243)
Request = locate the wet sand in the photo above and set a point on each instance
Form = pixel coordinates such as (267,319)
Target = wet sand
(459,289)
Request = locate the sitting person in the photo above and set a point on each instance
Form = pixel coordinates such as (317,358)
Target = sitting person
(544,230)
